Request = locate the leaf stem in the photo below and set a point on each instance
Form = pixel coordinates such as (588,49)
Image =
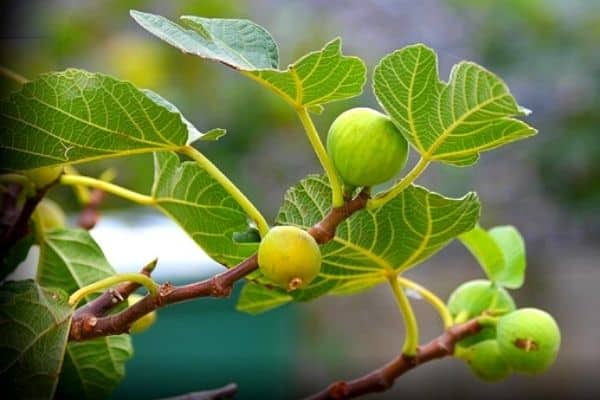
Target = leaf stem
(315,141)
(142,279)
(411,340)
(78,180)
(431,298)
(230,187)
(395,190)
(12,75)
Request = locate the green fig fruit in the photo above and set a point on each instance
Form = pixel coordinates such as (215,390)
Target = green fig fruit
(143,323)
(49,215)
(485,361)
(473,298)
(366,147)
(42,177)
(529,340)
(289,257)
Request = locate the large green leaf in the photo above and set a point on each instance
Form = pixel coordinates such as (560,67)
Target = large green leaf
(451,122)
(317,78)
(255,299)
(93,368)
(71,259)
(76,116)
(187,194)
(34,328)
(374,243)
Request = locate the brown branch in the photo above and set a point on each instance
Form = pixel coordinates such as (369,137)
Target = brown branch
(90,214)
(383,378)
(108,300)
(225,392)
(14,219)
(88,325)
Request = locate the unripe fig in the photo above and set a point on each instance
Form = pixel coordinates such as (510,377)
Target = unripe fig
(143,323)
(366,147)
(49,215)
(42,177)
(529,340)
(473,298)
(486,362)
(289,257)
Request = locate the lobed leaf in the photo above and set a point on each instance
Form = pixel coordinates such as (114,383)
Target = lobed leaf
(187,194)
(372,244)
(34,329)
(76,116)
(254,299)
(317,78)
(452,122)
(71,259)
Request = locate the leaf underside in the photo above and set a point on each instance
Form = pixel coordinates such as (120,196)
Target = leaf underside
(449,122)
(317,78)
(187,194)
(71,259)
(76,116)
(372,244)
(34,328)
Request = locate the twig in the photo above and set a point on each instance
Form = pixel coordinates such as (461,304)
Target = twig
(383,378)
(86,326)
(225,392)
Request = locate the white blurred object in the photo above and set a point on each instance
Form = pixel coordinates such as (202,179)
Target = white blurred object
(130,240)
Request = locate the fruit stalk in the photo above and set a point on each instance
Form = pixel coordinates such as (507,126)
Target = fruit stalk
(411,340)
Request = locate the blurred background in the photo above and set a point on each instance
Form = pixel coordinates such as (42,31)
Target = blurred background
(548,186)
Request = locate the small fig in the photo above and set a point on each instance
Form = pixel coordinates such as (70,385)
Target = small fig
(42,177)
(486,362)
(473,298)
(366,147)
(289,257)
(529,340)
(143,323)
(49,215)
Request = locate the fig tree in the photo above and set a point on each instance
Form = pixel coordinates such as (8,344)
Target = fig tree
(529,340)
(486,362)
(366,147)
(289,257)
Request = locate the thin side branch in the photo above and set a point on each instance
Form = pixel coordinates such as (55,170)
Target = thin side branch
(90,323)
(91,214)
(383,378)
(225,392)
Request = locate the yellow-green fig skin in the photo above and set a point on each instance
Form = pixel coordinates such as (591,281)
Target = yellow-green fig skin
(486,362)
(42,177)
(289,257)
(479,295)
(366,147)
(142,324)
(49,214)
(529,340)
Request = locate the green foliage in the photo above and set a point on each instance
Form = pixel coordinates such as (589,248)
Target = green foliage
(500,252)
(71,259)
(370,244)
(317,78)
(34,327)
(76,116)
(452,122)
(187,194)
